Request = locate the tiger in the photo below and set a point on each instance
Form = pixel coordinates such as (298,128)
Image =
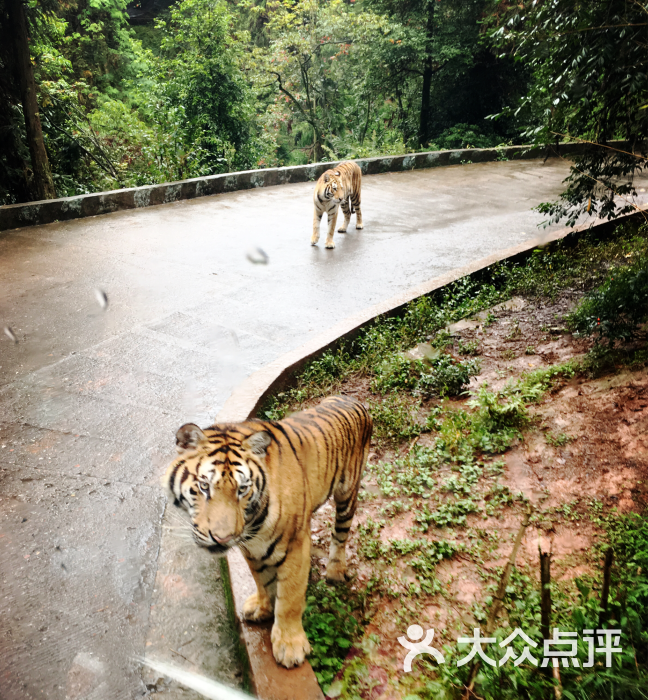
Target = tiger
(340,186)
(256,484)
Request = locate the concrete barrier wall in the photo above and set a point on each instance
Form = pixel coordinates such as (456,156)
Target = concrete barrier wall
(51,210)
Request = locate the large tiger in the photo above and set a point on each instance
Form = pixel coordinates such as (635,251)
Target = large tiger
(256,484)
(340,186)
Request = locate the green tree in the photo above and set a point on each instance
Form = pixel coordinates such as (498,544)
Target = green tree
(318,75)
(200,81)
(589,62)
(438,42)
(17,24)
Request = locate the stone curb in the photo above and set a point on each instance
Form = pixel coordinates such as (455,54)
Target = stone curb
(270,681)
(52,210)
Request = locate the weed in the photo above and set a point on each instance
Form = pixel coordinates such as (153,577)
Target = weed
(450,514)
(330,626)
(602,359)
(440,376)
(447,378)
(497,420)
(395,418)
(532,385)
(442,340)
(499,496)
(530,350)
(515,331)
(559,440)
(392,509)
(489,320)
(413,475)
(615,309)
(468,347)
(431,553)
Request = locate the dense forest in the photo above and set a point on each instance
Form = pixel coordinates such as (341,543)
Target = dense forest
(98,94)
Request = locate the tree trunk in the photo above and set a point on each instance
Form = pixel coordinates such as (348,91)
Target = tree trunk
(424,124)
(44,185)
(318,151)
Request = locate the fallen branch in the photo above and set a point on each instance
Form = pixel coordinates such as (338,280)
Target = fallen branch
(498,599)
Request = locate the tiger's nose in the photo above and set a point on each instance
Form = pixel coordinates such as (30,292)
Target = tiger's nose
(222,540)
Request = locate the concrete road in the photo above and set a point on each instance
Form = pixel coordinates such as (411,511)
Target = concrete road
(91,398)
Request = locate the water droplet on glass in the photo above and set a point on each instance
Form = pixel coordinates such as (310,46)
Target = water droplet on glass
(257,256)
(102,298)
(11,335)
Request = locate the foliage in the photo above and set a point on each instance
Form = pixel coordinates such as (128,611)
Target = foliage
(616,308)
(330,626)
(200,75)
(439,376)
(216,85)
(395,418)
(590,79)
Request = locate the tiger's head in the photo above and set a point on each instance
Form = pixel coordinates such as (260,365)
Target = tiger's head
(221,480)
(332,185)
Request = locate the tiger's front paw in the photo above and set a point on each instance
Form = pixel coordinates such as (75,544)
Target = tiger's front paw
(289,650)
(330,244)
(255,610)
(314,239)
(342,229)
(335,571)
(359,227)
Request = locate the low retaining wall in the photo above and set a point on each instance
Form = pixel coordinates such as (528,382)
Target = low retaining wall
(51,210)
(270,681)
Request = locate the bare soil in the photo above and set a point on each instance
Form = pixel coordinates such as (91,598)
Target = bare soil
(586,448)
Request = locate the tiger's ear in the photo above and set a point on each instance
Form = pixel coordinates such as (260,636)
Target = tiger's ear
(189,437)
(337,173)
(258,443)
(327,177)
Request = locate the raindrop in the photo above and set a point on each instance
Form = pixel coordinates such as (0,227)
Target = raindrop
(257,256)
(102,298)
(11,335)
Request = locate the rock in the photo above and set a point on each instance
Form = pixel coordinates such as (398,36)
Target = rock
(424,352)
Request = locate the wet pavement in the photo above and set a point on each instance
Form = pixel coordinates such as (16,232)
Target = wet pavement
(91,398)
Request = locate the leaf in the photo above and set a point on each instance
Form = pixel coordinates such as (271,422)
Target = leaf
(335,689)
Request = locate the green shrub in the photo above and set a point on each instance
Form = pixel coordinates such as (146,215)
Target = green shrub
(395,418)
(330,627)
(497,420)
(442,376)
(447,377)
(616,309)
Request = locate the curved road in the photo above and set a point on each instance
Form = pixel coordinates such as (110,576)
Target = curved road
(91,398)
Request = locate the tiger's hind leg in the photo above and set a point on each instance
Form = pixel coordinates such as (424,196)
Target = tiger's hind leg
(346,500)
(345,508)
(347,216)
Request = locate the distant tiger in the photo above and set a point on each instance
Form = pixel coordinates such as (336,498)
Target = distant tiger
(338,187)
(257,483)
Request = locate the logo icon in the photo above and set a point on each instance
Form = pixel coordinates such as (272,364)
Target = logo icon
(414,633)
